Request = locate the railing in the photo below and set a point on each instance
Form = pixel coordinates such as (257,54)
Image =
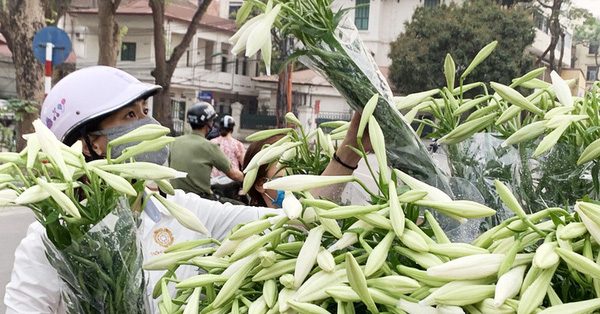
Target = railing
(258,121)
(325,116)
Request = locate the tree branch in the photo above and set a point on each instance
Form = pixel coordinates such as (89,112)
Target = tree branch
(544,5)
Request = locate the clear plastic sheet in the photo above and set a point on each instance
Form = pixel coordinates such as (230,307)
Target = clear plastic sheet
(480,160)
(102,271)
(552,179)
(350,68)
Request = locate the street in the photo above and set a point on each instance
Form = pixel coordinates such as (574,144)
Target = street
(13,227)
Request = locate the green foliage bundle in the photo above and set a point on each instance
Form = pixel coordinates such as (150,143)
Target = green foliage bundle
(417,54)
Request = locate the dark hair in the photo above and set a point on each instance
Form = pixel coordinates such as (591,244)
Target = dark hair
(225,131)
(256,198)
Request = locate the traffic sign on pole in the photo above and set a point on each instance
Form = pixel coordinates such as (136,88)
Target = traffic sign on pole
(51,46)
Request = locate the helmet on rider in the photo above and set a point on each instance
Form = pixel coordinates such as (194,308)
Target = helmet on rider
(227,122)
(83,98)
(200,114)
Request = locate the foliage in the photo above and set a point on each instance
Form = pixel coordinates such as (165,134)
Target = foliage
(417,54)
(20,107)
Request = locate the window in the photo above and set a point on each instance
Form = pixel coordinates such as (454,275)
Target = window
(128,52)
(233,9)
(224,62)
(431,3)
(540,21)
(592,73)
(361,15)
(593,49)
(178,112)
(245,66)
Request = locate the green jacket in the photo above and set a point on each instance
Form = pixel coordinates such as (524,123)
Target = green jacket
(194,154)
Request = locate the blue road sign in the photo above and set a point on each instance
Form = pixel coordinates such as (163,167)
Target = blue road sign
(58,38)
(205,96)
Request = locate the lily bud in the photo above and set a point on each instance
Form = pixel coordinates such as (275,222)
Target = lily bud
(145,132)
(267,258)
(291,206)
(358,282)
(193,302)
(183,215)
(379,254)
(366,114)
(168,260)
(397,217)
(287,281)
(414,99)
(200,280)
(291,118)
(270,293)
(304,182)
(61,198)
(563,92)
(550,140)
(530,131)
(509,285)
(515,98)
(545,257)
(415,308)
(51,146)
(308,255)
(325,260)
(116,182)
(468,267)
(433,193)
(464,209)
(144,170)
(261,135)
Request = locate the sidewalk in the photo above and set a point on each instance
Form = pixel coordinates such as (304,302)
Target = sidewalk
(13,227)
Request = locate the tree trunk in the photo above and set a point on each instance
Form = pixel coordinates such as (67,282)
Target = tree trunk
(19,22)
(164,69)
(555,33)
(108,34)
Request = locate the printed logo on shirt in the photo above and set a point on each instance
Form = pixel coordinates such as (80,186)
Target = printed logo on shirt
(164,237)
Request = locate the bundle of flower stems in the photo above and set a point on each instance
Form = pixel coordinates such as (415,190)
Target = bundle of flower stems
(90,211)
(320,257)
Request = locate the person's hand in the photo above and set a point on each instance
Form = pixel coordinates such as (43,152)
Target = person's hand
(346,154)
(351,135)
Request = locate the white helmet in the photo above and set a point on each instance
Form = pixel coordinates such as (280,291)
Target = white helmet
(87,94)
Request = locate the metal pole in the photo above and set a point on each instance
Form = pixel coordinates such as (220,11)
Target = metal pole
(48,77)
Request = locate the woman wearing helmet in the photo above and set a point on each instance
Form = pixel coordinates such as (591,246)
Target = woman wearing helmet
(233,149)
(194,154)
(95,105)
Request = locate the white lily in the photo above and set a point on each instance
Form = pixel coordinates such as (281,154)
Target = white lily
(509,284)
(308,255)
(51,146)
(433,193)
(563,92)
(259,36)
(468,267)
(291,206)
(304,182)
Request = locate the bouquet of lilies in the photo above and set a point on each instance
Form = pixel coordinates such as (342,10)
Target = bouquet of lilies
(321,257)
(90,211)
(548,170)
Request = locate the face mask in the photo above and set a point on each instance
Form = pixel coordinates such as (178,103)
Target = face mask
(158,157)
(279,200)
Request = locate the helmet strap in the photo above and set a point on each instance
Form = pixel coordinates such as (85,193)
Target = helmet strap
(86,139)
